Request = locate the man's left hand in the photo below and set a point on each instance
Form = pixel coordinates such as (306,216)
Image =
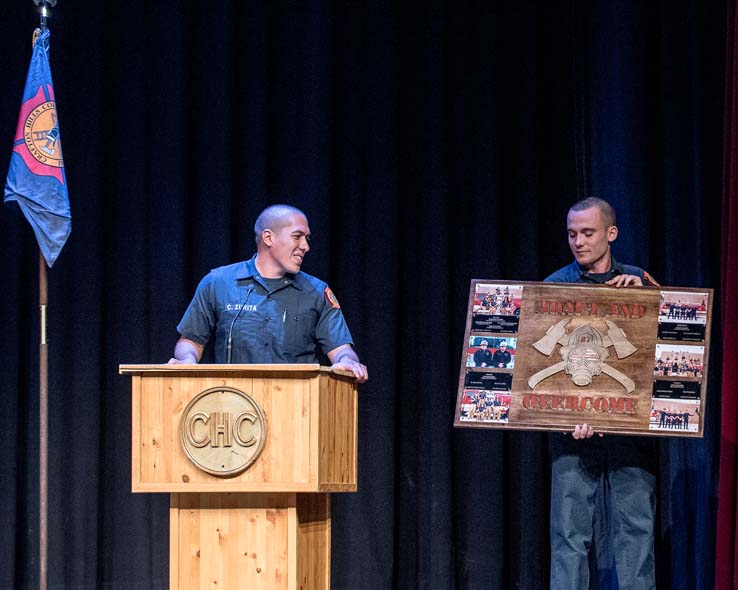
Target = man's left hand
(625,281)
(360,371)
(584,431)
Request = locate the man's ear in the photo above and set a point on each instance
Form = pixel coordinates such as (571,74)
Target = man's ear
(612,233)
(267,237)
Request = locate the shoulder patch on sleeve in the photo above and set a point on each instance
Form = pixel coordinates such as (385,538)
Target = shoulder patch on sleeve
(331,298)
(650,280)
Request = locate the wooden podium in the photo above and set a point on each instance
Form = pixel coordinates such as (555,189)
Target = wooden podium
(269,525)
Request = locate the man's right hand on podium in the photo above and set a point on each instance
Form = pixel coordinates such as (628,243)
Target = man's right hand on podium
(186,352)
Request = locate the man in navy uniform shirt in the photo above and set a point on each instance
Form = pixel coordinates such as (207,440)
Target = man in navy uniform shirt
(265,310)
(502,357)
(482,356)
(584,468)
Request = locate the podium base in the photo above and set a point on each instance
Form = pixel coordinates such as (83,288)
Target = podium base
(234,541)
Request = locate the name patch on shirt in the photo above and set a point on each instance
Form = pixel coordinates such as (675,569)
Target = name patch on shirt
(239,306)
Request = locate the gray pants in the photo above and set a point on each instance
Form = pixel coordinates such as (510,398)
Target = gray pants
(581,472)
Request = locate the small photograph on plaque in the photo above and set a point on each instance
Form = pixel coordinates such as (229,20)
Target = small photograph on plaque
(682,315)
(496,308)
(489,380)
(675,415)
(673,360)
(491,352)
(498,299)
(484,406)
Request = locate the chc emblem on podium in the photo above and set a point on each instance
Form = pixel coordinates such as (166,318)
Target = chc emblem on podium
(222,431)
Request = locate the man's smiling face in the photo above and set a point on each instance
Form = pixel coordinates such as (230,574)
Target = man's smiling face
(289,244)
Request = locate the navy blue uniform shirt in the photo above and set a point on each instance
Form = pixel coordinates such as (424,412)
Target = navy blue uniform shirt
(573,273)
(280,321)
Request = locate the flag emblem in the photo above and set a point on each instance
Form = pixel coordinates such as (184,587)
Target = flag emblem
(37,138)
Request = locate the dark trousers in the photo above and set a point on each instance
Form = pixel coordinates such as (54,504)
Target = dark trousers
(623,469)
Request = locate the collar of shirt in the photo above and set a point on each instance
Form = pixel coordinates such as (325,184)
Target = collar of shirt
(247,270)
(581,273)
(575,273)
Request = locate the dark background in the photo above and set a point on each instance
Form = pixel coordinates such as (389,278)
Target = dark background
(429,144)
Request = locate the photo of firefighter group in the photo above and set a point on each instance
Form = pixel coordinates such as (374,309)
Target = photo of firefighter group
(679,363)
(490,353)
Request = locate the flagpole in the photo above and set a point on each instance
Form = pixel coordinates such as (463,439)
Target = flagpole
(43,428)
(43,382)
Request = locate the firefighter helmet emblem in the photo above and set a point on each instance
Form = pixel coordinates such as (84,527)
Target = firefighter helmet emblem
(583,353)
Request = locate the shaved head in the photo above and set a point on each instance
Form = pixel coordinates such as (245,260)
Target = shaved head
(274,217)
(606,210)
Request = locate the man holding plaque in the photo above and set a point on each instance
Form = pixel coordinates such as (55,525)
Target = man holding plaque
(588,474)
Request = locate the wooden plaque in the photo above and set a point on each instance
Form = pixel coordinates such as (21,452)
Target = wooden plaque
(548,356)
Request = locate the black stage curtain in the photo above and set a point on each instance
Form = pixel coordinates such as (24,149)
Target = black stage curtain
(429,143)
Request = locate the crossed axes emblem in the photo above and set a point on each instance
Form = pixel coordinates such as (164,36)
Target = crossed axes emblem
(583,353)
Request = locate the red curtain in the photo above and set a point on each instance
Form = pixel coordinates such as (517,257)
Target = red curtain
(727,525)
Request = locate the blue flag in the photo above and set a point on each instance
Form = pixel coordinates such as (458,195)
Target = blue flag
(36,179)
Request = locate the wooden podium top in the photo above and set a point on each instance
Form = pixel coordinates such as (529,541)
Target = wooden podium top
(242,428)
(207,368)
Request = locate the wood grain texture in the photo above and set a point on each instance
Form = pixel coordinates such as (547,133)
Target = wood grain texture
(545,395)
(313,541)
(234,541)
(252,530)
(250,541)
(311,429)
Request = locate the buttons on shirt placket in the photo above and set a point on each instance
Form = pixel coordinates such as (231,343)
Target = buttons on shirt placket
(266,319)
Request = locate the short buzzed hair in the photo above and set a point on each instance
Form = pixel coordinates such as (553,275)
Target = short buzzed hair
(606,210)
(274,217)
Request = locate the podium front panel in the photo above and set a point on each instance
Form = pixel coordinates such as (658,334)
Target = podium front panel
(310,429)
